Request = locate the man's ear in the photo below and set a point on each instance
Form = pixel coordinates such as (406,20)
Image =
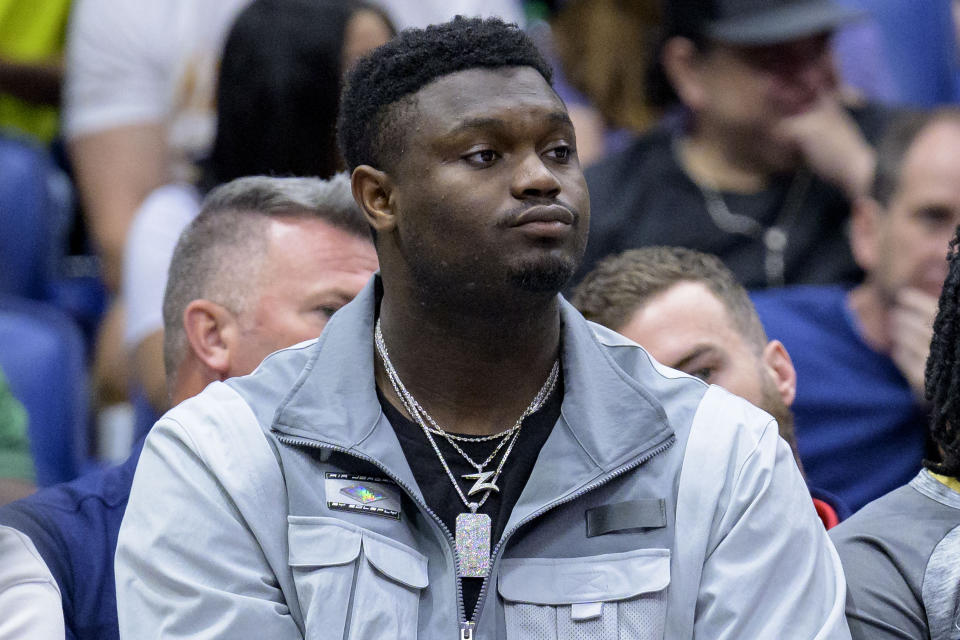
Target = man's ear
(865,232)
(679,59)
(210,330)
(373,190)
(778,363)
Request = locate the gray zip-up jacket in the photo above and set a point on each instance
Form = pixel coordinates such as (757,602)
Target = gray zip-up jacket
(280,505)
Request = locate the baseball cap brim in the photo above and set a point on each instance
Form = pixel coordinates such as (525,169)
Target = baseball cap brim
(781,24)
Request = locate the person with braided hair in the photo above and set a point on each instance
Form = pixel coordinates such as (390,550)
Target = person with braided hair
(942,375)
(900,552)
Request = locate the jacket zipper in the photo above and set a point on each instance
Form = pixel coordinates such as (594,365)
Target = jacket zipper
(467,626)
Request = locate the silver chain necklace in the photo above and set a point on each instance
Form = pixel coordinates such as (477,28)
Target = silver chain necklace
(775,238)
(478,466)
(473,529)
(463,438)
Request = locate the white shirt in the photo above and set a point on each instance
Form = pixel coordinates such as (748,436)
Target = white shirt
(30,604)
(156,228)
(147,62)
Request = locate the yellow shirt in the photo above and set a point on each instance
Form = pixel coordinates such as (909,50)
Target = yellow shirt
(952,483)
(31,31)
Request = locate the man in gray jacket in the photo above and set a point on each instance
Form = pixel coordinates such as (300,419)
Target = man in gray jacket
(461,454)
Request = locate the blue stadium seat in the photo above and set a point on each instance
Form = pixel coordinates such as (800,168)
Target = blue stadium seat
(42,356)
(33,219)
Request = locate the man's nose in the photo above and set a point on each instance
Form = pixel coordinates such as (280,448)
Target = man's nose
(815,74)
(533,177)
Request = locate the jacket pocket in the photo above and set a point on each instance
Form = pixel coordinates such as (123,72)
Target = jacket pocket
(617,595)
(354,583)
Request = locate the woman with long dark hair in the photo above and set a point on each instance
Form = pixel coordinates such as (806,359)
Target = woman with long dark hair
(277,96)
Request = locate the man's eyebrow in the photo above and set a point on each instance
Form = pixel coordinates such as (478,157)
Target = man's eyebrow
(478,123)
(471,124)
(560,117)
(692,355)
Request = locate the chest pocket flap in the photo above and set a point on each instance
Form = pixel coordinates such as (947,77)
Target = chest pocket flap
(321,545)
(351,581)
(556,581)
(322,542)
(615,595)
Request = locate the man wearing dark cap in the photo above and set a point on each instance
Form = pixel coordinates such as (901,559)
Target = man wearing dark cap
(762,161)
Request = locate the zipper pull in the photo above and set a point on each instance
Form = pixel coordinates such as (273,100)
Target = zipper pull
(466,630)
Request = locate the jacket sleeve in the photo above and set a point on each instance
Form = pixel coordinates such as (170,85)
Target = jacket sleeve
(189,562)
(769,569)
(30,604)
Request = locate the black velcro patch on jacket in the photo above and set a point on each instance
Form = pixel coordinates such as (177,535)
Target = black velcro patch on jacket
(633,514)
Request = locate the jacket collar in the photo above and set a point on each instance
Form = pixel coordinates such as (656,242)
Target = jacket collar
(607,419)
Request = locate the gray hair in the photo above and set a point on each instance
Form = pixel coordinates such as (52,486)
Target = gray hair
(221,250)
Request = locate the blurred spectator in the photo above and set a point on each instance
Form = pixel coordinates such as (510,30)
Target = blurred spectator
(276,111)
(603,86)
(138,111)
(32,37)
(764,160)
(16,467)
(900,552)
(612,77)
(138,104)
(689,312)
(405,13)
(860,353)
(261,268)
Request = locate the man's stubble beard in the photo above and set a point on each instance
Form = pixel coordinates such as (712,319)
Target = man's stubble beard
(773,404)
(546,276)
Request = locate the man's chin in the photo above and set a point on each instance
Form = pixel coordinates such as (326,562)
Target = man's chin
(548,275)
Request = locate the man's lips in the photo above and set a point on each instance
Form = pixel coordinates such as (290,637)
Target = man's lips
(553,214)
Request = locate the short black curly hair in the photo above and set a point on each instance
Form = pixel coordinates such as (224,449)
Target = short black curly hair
(380,85)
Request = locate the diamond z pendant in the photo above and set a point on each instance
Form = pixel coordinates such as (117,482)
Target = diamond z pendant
(481,483)
(473,545)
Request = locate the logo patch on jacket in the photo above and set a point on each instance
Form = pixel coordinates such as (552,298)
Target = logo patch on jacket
(362,494)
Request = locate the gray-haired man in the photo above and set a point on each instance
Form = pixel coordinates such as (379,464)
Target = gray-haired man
(263,266)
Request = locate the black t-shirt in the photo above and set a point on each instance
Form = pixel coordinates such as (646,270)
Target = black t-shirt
(643,197)
(438,491)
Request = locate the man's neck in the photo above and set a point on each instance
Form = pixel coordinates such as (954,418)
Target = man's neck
(190,378)
(709,164)
(871,312)
(474,375)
